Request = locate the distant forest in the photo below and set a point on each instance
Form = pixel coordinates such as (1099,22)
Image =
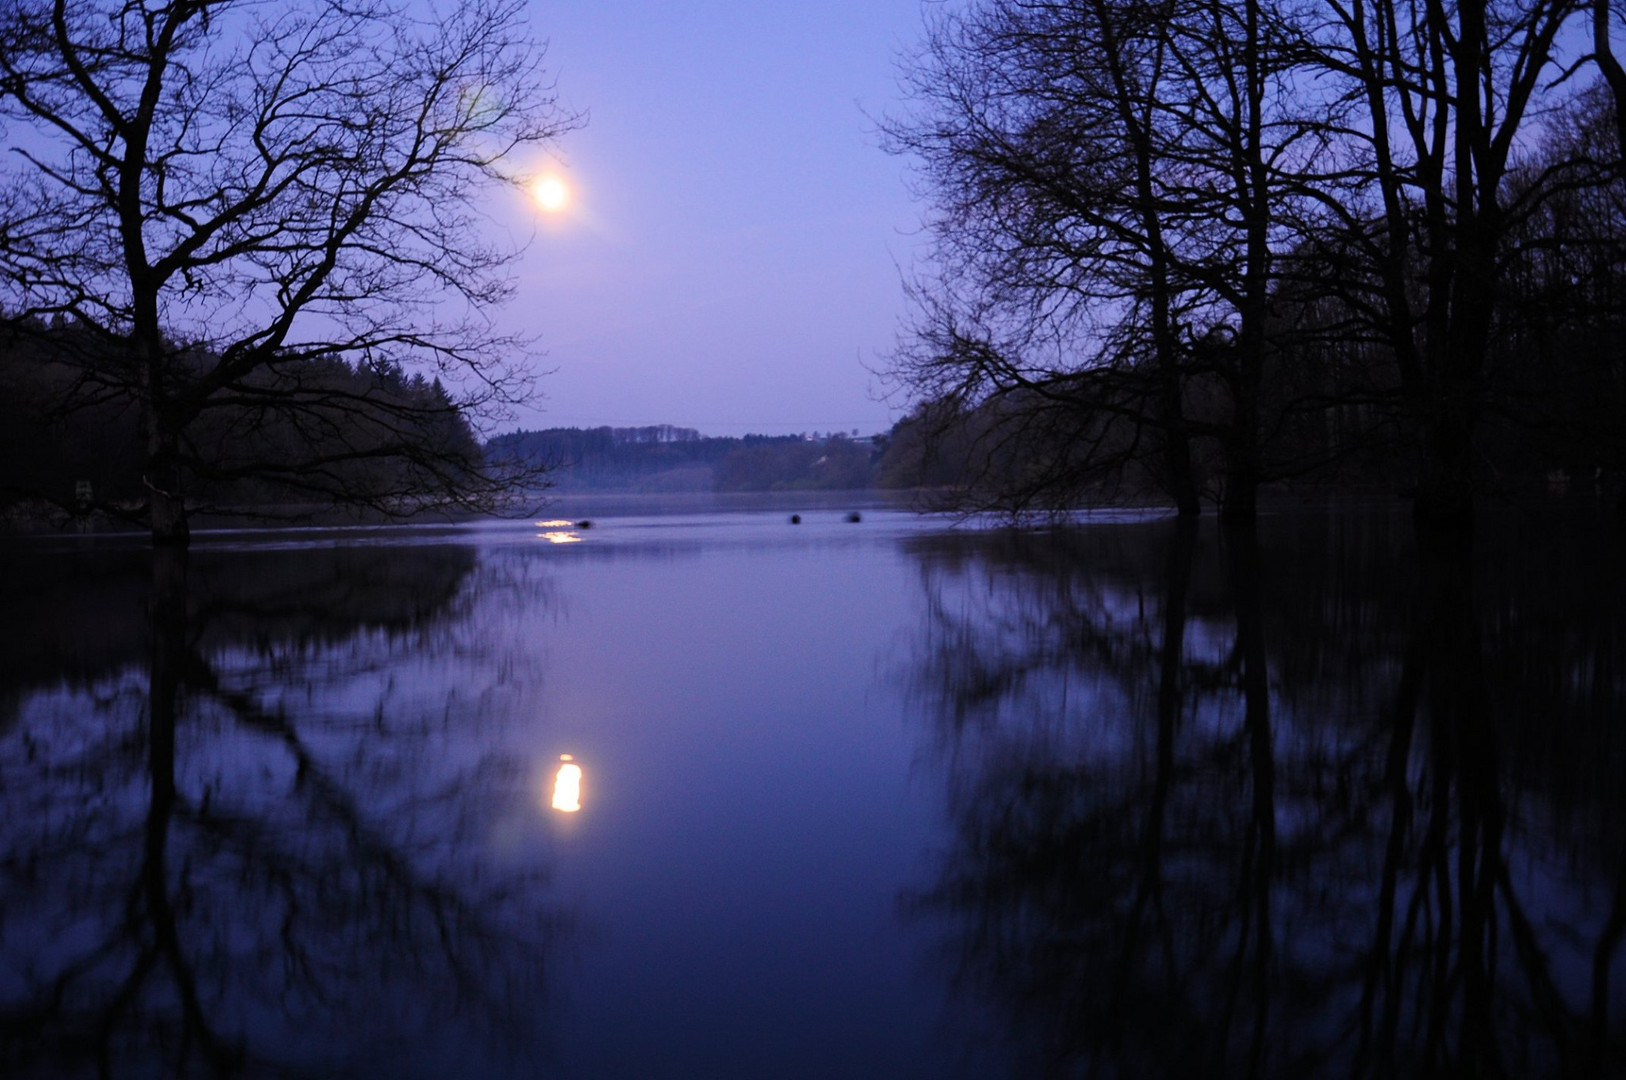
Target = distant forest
(301,435)
(308,434)
(663,458)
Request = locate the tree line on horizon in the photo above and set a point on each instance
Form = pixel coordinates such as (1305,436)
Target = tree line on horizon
(71,448)
(665,458)
(297,437)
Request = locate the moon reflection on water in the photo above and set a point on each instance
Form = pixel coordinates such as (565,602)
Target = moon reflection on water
(567,786)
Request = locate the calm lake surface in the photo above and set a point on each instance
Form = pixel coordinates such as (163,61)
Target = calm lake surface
(884,799)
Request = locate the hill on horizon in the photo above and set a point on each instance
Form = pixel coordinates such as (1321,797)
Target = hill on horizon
(664,458)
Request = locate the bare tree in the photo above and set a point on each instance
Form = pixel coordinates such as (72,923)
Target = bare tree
(230,199)
(1606,17)
(1112,186)
(1448,89)
(1217,225)
(1034,136)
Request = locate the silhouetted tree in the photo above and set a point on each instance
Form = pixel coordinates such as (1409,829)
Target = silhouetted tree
(1446,91)
(1112,187)
(227,199)
(1606,17)
(1239,243)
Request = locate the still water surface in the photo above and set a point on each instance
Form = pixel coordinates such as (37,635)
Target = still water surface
(709,794)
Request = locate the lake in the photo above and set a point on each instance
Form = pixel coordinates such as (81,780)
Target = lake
(702,793)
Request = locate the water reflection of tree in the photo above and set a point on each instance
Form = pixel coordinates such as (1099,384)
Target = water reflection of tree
(266,845)
(1254,805)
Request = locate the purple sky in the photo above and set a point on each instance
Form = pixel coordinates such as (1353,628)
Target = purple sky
(730,262)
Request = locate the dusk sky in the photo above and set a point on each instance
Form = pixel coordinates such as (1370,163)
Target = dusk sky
(732,254)
(730,259)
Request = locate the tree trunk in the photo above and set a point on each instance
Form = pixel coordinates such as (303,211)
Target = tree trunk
(1445,486)
(166,498)
(1243,466)
(1179,477)
(1241,504)
(167,679)
(1253,198)
(1259,849)
(1134,104)
(1178,473)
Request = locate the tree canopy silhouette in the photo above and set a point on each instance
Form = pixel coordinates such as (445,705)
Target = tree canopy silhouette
(1207,246)
(228,202)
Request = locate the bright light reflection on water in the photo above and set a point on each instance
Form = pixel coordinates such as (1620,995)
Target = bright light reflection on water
(567,786)
(560,537)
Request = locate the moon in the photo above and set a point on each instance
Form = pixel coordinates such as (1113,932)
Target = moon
(551,193)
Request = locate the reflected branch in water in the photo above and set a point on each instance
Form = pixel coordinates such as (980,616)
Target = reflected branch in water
(213,867)
(1221,852)
(1603,959)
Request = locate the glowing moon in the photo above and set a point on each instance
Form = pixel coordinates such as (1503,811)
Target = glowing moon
(551,193)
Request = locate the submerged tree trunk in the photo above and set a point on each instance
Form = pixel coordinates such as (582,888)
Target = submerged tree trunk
(1259,848)
(1242,467)
(166,497)
(1465,756)
(168,675)
(1444,500)
(164,475)
(1178,474)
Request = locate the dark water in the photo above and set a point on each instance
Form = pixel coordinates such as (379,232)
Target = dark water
(873,800)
